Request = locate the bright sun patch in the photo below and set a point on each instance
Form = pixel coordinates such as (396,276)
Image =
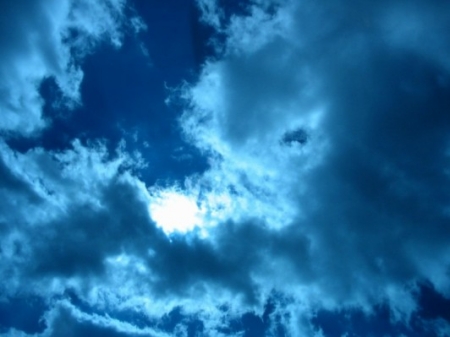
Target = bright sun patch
(173,211)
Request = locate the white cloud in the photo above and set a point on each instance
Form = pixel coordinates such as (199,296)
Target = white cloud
(66,319)
(211,13)
(326,183)
(47,39)
(315,67)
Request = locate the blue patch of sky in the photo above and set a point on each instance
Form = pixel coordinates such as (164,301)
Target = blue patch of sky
(169,322)
(22,313)
(124,91)
(355,323)
(252,325)
(433,305)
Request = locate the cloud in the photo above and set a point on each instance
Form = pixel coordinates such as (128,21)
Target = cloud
(366,189)
(66,319)
(47,39)
(65,201)
(326,194)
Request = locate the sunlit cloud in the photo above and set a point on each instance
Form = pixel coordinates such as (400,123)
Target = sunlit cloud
(296,183)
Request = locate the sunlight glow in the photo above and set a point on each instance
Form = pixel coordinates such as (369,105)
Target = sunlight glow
(173,211)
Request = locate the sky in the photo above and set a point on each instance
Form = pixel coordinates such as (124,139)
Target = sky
(225,168)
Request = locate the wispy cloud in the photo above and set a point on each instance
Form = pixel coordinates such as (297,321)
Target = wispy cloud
(49,39)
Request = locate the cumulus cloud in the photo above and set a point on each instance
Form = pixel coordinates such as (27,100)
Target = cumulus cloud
(366,187)
(326,128)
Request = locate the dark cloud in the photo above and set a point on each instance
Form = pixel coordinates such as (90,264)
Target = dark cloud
(370,184)
(78,242)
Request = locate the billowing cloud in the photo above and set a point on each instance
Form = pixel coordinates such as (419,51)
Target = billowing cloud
(326,127)
(365,188)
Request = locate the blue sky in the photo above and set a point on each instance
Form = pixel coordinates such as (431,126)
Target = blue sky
(225,168)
